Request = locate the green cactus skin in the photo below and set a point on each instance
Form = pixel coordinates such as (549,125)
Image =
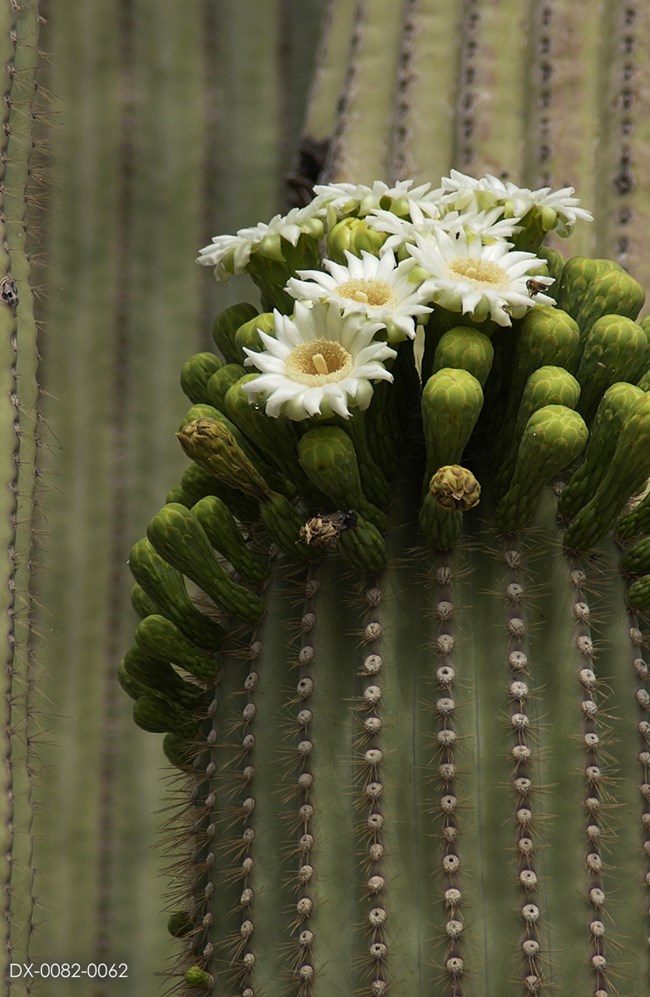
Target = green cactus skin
(158,637)
(577,275)
(611,291)
(223,533)
(362,141)
(220,383)
(391,620)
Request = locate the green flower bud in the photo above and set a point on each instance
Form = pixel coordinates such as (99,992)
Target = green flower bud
(451,403)
(221,381)
(615,349)
(212,446)
(226,326)
(553,438)
(197,977)
(466,349)
(353,235)
(195,374)
(638,594)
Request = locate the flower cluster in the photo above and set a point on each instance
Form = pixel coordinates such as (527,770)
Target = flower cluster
(389,258)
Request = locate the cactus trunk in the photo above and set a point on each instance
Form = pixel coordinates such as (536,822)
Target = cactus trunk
(422,766)
(408,744)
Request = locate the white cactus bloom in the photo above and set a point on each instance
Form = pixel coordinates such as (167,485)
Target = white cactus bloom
(464,193)
(484,281)
(486,226)
(374,286)
(230,254)
(360,199)
(319,362)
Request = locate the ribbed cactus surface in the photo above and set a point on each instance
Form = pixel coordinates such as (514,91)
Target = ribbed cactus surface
(416,752)
(172,122)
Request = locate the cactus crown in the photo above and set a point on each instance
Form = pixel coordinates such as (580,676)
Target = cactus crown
(393,417)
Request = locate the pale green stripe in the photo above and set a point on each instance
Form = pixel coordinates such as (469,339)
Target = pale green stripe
(499,92)
(365,134)
(486,845)
(409,769)
(561,857)
(623,165)
(575,35)
(77,374)
(329,76)
(427,151)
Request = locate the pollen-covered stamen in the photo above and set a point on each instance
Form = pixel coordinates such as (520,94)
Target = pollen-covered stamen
(479,271)
(318,362)
(370,292)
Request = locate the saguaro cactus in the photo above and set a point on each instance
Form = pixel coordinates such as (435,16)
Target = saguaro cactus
(415,737)
(393,615)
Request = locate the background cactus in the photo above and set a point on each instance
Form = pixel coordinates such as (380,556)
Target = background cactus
(146,170)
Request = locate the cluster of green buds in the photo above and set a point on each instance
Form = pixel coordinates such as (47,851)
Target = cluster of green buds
(392,298)
(400,326)
(397,314)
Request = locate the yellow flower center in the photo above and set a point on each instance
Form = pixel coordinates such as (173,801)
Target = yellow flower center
(320,361)
(370,292)
(479,271)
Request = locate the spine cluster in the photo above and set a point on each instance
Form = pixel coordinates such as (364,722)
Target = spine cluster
(446,744)
(522,751)
(302,929)
(372,792)
(594,774)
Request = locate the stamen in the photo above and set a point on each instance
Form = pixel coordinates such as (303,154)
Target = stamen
(370,292)
(480,271)
(318,362)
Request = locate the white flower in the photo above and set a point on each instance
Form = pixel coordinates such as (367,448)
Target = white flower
(376,287)
(318,362)
(485,226)
(230,254)
(400,230)
(463,192)
(484,281)
(360,199)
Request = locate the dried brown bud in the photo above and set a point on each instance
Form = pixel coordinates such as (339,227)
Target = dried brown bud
(455,488)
